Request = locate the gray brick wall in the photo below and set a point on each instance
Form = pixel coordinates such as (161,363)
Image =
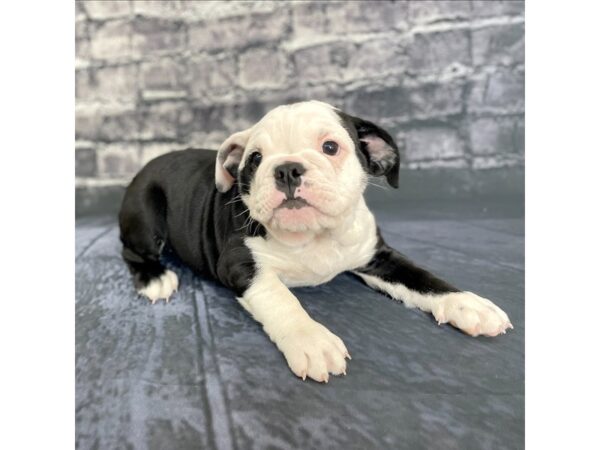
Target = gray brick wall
(446,78)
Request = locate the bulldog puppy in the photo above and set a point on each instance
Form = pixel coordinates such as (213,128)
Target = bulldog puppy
(281,205)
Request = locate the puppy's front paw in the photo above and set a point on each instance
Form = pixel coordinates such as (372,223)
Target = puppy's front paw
(312,350)
(162,287)
(472,314)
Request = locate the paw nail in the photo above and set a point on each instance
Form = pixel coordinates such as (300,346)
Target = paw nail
(348,355)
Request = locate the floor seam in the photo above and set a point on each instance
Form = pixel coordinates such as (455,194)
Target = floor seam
(93,241)
(221,424)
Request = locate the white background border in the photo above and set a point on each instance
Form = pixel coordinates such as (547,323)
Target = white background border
(562,124)
(37,313)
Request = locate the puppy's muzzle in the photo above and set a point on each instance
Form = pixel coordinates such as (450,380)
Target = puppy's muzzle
(288,177)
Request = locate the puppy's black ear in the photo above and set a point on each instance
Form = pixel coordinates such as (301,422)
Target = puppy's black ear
(228,159)
(379,150)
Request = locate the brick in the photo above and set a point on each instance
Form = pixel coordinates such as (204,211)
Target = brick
(392,102)
(239,32)
(434,52)
(503,44)
(491,135)
(164,120)
(80,13)
(421,12)
(82,40)
(334,94)
(433,142)
(326,62)
(211,75)
(208,139)
(155,35)
(81,29)
(199,10)
(212,117)
(111,40)
(105,9)
(486,8)
(328,18)
(85,162)
(366,16)
(118,160)
(262,68)
(309,18)
(212,124)
(215,122)
(163,78)
(501,91)
(436,99)
(151,151)
(102,123)
(376,58)
(121,126)
(108,84)
(87,122)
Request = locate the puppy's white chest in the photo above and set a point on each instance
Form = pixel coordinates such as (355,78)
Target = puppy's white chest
(322,258)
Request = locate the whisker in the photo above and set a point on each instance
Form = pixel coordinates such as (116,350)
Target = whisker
(244,211)
(234,200)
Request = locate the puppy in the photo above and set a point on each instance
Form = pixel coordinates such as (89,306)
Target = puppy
(281,205)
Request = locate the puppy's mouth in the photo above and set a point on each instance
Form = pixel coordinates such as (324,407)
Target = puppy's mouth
(293,203)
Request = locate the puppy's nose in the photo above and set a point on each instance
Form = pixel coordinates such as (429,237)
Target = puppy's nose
(288,177)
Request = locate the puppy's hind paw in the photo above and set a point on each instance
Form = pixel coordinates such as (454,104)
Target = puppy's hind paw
(161,288)
(472,314)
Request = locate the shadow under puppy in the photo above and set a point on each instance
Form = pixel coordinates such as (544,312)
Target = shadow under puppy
(281,205)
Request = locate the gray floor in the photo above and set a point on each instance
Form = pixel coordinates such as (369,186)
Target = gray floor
(199,372)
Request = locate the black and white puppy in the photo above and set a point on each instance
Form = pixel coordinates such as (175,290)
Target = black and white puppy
(281,205)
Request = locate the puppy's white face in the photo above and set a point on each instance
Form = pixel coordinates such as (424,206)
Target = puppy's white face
(304,166)
(299,170)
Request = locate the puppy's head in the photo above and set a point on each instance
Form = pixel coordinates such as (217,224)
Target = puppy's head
(303,167)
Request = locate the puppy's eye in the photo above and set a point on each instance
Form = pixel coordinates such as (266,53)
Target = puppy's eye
(255,158)
(330,148)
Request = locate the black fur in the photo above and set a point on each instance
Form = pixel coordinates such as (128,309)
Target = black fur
(389,265)
(388,164)
(173,202)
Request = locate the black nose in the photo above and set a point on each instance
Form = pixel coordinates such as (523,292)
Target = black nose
(287,177)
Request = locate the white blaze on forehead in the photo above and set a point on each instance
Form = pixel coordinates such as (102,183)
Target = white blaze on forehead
(295,127)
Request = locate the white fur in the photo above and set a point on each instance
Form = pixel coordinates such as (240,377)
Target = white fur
(316,259)
(162,287)
(229,153)
(466,311)
(309,348)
